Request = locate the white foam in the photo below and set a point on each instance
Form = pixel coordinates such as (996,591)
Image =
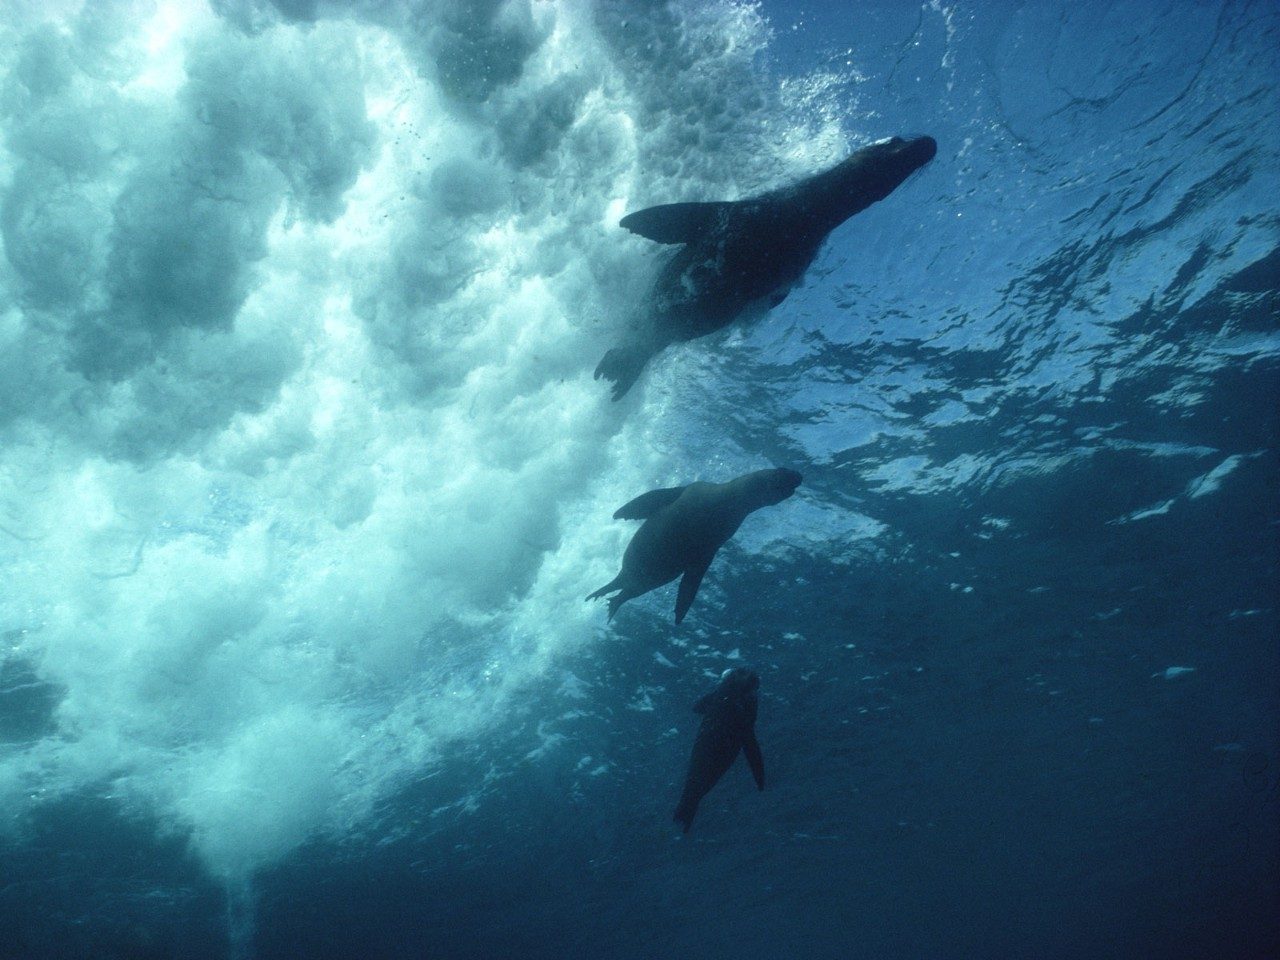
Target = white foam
(1211,481)
(303,470)
(1144,513)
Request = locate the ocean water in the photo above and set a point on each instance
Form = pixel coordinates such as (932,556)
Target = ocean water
(304,476)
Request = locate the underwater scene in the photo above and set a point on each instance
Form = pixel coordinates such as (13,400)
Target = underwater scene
(639,479)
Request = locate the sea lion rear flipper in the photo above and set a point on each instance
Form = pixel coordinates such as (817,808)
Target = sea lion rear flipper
(755,759)
(647,504)
(688,807)
(685,811)
(609,587)
(624,594)
(677,222)
(689,584)
(622,365)
(617,601)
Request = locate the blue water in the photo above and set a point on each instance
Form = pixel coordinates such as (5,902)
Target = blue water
(303,477)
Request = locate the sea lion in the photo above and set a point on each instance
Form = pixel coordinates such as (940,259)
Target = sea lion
(728,728)
(749,253)
(683,528)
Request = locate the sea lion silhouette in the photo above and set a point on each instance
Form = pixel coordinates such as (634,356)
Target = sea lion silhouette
(683,528)
(728,728)
(749,253)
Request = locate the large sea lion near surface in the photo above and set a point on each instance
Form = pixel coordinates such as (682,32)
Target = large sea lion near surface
(728,728)
(683,528)
(749,253)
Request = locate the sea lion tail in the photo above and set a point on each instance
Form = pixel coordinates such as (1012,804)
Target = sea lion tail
(622,365)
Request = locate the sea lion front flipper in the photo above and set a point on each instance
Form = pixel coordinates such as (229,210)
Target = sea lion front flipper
(677,222)
(647,504)
(755,759)
(689,584)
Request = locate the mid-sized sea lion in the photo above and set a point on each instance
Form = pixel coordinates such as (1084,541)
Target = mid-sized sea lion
(728,728)
(683,528)
(744,256)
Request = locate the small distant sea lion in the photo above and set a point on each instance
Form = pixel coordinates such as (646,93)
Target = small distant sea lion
(748,254)
(683,528)
(728,728)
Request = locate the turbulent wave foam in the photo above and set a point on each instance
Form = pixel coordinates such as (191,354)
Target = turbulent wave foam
(301,465)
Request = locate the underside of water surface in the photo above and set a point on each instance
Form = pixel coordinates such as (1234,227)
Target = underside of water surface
(304,476)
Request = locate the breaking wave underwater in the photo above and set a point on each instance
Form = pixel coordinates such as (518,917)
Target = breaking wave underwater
(303,477)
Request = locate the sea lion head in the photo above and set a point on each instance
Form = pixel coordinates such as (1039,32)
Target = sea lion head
(910,153)
(740,680)
(875,171)
(767,487)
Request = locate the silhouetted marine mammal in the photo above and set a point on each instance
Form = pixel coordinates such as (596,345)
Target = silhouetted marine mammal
(749,253)
(684,527)
(728,728)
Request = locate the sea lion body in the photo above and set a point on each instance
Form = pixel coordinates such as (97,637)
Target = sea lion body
(727,729)
(744,256)
(683,528)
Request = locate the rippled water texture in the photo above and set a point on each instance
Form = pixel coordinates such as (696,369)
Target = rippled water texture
(304,475)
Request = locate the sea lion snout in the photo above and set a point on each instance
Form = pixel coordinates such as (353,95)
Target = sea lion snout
(913,152)
(921,149)
(778,484)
